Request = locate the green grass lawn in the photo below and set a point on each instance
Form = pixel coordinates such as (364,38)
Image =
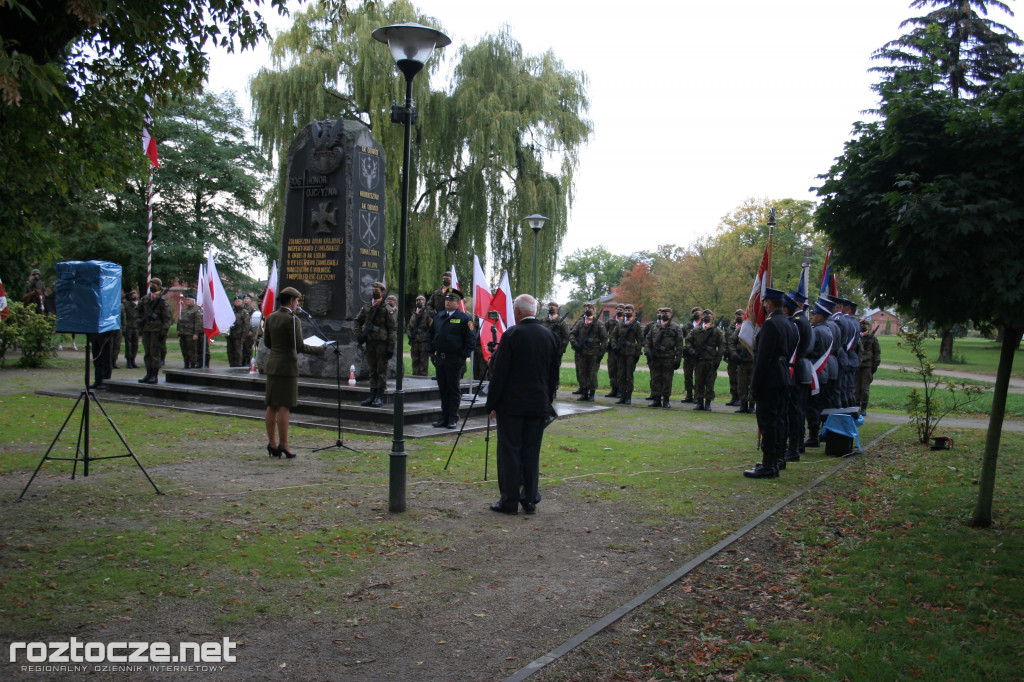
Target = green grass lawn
(978,354)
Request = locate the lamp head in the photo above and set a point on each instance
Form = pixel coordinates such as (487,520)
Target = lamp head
(536,222)
(411,44)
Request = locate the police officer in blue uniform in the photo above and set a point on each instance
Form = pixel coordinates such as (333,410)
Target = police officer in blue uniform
(451,342)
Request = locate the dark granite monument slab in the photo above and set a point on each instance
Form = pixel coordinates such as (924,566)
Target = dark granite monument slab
(333,241)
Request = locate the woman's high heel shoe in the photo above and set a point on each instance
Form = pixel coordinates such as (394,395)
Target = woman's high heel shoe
(273,451)
(281,450)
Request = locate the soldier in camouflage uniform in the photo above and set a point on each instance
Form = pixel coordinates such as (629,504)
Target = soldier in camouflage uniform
(190,330)
(664,348)
(705,344)
(689,366)
(154,322)
(870,358)
(741,356)
(435,303)
(418,332)
(129,329)
(613,356)
(588,338)
(556,323)
(731,341)
(375,326)
(627,341)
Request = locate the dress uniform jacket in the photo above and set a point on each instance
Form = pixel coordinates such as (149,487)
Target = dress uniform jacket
(282,335)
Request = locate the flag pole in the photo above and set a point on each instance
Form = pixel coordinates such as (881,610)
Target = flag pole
(149,229)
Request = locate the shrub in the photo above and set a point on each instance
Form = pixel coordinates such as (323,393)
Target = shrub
(30,332)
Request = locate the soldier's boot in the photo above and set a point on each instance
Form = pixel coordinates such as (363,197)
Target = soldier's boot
(707,405)
(744,408)
(590,396)
(664,401)
(762,470)
(734,401)
(700,404)
(791,455)
(378,399)
(613,394)
(688,398)
(578,391)
(864,409)
(813,441)
(369,398)
(655,401)
(145,379)
(584,395)
(624,399)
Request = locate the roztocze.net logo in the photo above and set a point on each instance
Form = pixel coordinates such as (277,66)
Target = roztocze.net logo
(121,653)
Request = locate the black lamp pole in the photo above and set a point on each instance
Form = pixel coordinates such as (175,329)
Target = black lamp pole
(536,222)
(411,45)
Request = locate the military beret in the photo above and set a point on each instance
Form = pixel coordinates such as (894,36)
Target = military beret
(739,311)
(290,292)
(156,281)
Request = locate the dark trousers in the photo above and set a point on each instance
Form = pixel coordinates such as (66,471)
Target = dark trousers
(689,367)
(586,371)
(519,440)
(376,355)
(153,344)
(449,373)
(705,373)
(131,345)
(613,370)
(771,419)
(102,355)
(797,407)
(420,359)
(812,412)
(626,368)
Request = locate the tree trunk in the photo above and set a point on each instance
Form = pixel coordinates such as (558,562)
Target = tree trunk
(986,483)
(946,346)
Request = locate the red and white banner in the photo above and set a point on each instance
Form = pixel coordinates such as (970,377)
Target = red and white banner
(502,301)
(753,318)
(4,312)
(267,306)
(455,285)
(481,292)
(819,366)
(217,313)
(148,141)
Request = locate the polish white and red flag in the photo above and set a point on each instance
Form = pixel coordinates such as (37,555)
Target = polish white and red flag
(217,313)
(4,312)
(502,301)
(481,292)
(148,141)
(753,317)
(267,306)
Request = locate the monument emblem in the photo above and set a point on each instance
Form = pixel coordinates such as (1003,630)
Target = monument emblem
(369,229)
(368,167)
(323,219)
(327,140)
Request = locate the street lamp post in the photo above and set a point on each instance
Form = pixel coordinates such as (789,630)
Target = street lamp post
(536,222)
(411,45)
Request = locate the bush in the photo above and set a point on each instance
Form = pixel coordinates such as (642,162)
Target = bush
(30,332)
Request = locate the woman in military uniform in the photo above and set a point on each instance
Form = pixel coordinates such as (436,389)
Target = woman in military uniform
(283,336)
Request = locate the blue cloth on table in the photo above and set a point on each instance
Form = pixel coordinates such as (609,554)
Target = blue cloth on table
(844,425)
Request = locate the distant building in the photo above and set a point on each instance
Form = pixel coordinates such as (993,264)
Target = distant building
(886,322)
(606,305)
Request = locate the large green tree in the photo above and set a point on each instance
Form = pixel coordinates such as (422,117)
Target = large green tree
(955,45)
(482,149)
(925,206)
(593,272)
(73,80)
(210,183)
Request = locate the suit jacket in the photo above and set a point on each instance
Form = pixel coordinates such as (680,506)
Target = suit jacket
(283,336)
(524,371)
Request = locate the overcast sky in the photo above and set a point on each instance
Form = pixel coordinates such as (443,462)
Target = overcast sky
(695,105)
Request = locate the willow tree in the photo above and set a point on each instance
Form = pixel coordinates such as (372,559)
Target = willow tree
(482,147)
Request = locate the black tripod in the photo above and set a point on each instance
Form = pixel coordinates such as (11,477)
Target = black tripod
(339,443)
(82,448)
(487,438)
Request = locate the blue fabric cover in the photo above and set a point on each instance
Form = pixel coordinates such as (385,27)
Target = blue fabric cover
(88,296)
(844,425)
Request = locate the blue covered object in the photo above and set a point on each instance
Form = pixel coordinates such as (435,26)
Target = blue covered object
(844,425)
(88,296)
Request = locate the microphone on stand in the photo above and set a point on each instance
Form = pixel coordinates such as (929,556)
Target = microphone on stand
(302,310)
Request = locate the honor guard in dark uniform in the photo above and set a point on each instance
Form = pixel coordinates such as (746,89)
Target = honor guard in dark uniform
(773,348)
(704,345)
(793,306)
(153,324)
(849,309)
(689,366)
(824,365)
(376,330)
(556,325)
(130,329)
(732,339)
(418,332)
(870,358)
(834,398)
(190,330)
(613,356)
(588,338)
(664,347)
(627,340)
(843,340)
(452,340)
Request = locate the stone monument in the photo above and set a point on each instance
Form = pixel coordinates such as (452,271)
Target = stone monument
(333,246)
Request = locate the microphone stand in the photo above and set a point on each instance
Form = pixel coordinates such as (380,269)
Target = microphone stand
(339,443)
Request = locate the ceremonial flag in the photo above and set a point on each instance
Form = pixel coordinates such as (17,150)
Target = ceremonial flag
(502,301)
(217,313)
(481,292)
(828,280)
(753,318)
(148,141)
(801,287)
(490,330)
(455,285)
(4,312)
(200,286)
(267,306)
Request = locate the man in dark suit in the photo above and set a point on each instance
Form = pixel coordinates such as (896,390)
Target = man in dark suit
(770,383)
(452,341)
(524,378)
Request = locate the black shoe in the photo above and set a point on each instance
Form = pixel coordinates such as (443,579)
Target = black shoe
(272,450)
(700,404)
(496,507)
(707,405)
(743,409)
(655,402)
(687,399)
(791,456)
(377,401)
(529,508)
(578,391)
(761,471)
(145,379)
(812,443)
(613,394)
(651,397)
(452,425)
(155,379)
(440,424)
(664,402)
(281,450)
(590,397)
(369,399)
(624,400)
(583,397)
